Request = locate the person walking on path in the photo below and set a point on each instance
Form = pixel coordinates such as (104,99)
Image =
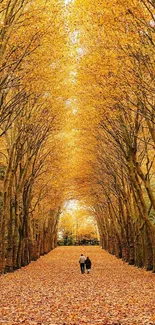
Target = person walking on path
(82,263)
(88,264)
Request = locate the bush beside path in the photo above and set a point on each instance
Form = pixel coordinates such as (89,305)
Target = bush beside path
(52,291)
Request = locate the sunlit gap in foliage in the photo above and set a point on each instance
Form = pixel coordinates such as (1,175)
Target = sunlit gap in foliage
(68,1)
(71,104)
(77,224)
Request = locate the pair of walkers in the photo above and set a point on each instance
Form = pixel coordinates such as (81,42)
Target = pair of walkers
(84,262)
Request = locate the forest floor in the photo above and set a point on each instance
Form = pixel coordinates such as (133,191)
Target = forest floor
(52,291)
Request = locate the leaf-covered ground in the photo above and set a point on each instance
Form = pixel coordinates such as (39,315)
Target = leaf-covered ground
(53,291)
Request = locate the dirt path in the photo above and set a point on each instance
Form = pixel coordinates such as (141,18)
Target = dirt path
(53,291)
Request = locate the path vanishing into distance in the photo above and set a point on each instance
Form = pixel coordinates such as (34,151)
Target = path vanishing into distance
(52,291)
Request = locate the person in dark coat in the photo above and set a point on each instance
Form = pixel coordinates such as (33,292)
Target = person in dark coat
(88,264)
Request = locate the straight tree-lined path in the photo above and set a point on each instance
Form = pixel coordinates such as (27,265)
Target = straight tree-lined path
(52,291)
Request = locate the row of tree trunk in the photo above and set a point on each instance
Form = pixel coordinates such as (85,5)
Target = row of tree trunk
(28,227)
(124,172)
